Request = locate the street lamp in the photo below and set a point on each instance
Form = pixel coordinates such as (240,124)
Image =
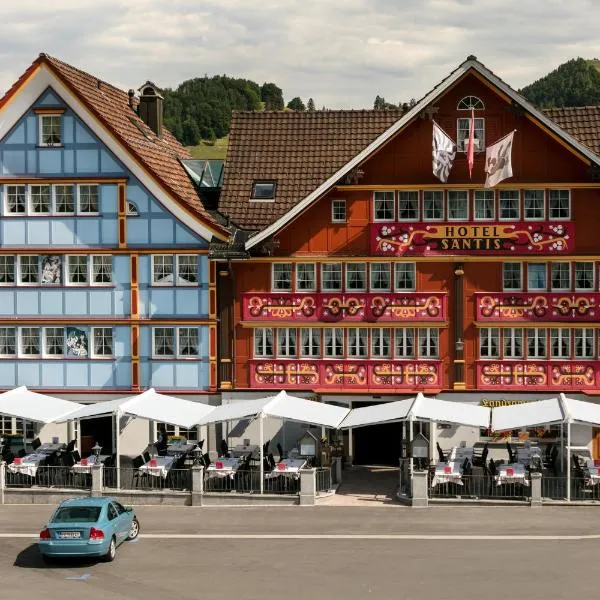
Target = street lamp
(96,449)
(197,452)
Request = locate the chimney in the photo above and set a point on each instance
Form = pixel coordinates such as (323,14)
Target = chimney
(131,95)
(150,107)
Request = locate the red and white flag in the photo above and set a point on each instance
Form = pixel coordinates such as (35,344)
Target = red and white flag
(471,143)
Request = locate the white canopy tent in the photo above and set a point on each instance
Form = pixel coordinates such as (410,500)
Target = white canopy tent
(282,406)
(148,405)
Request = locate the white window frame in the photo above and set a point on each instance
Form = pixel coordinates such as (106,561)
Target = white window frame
(92,342)
(431,336)
(559,333)
(537,289)
(462,134)
(313,287)
(260,340)
(14,270)
(41,117)
(44,343)
(525,217)
(414,277)
(54,194)
(352,265)
(78,200)
(24,204)
(358,339)
(312,335)
(291,276)
(386,199)
(487,337)
(176,277)
(540,338)
(287,342)
(569,279)
(35,213)
(550,217)
(510,337)
(154,283)
(433,197)
(91,262)
(584,289)
(449,196)
(485,196)
(401,335)
(341,272)
(510,289)
(379,337)
(22,354)
(337,342)
(20,271)
(180,355)
(500,199)
(67,270)
(172,356)
(15,341)
(339,203)
(411,199)
(585,334)
(389,276)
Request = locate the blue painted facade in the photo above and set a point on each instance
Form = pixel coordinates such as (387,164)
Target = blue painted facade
(58,237)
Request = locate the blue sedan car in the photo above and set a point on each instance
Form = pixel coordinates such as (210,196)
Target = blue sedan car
(88,527)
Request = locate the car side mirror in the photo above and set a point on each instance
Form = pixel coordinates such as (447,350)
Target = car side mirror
(129,508)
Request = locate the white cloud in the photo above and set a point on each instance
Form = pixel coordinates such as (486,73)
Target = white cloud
(340,52)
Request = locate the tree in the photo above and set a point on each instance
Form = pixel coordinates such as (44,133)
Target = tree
(311,105)
(272,96)
(296,104)
(190,132)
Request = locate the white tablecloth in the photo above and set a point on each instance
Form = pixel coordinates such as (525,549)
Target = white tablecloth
(288,467)
(86,469)
(224,467)
(450,472)
(514,473)
(29,464)
(592,476)
(161,468)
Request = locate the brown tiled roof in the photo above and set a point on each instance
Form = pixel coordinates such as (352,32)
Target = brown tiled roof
(158,156)
(300,150)
(582,122)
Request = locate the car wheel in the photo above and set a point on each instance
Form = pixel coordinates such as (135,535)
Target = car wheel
(112,551)
(134,530)
(48,560)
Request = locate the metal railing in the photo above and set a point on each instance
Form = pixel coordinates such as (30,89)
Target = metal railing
(248,482)
(134,479)
(481,486)
(323,479)
(47,476)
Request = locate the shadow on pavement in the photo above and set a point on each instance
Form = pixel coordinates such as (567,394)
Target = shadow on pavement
(30,558)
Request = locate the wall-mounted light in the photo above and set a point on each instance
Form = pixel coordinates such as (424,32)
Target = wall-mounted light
(460,345)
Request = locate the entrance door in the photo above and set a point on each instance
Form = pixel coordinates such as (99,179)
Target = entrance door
(596,444)
(377,444)
(98,430)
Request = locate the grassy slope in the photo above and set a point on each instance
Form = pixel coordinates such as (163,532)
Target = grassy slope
(208,150)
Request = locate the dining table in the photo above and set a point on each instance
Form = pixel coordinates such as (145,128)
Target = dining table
(84,466)
(27,465)
(511,473)
(592,471)
(451,470)
(288,467)
(159,466)
(224,467)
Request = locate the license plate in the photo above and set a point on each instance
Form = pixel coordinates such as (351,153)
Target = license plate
(69,535)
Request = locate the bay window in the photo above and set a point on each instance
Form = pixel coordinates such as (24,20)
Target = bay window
(433,205)
(356,276)
(333,340)
(380,277)
(405,276)
(489,342)
(584,276)
(383,206)
(536,343)
(509,205)
(358,342)
(408,206)
(381,342)
(511,276)
(458,205)
(282,277)
(484,205)
(584,342)
(513,342)
(310,342)
(405,342)
(331,277)
(286,342)
(428,343)
(263,342)
(536,276)
(560,343)
(306,278)
(533,203)
(561,276)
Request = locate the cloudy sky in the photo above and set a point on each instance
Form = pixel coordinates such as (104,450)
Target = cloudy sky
(340,52)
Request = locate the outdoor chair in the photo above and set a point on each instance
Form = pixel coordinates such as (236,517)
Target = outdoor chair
(484,455)
(224,449)
(71,446)
(76,455)
(267,465)
(146,456)
(68,460)
(492,473)
(553,457)
(200,444)
(206,459)
(266,447)
(272,461)
(280,450)
(36,443)
(138,476)
(511,456)
(440,452)
(22,452)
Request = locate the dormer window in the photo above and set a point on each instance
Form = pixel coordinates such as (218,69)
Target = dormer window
(50,130)
(263,190)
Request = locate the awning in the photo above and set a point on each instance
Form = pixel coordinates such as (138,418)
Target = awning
(528,414)
(419,408)
(148,405)
(31,406)
(582,412)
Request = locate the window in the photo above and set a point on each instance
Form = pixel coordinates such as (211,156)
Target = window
(306,277)
(282,277)
(584,276)
(584,343)
(187,269)
(561,276)
(458,206)
(489,342)
(358,342)
(50,134)
(513,342)
(162,269)
(187,339)
(286,342)
(383,206)
(52,269)
(509,205)
(102,269)
(41,199)
(132,209)
(333,340)
(338,211)
(15,199)
(8,341)
(559,204)
(263,190)
(470,102)
(381,346)
(408,206)
(533,202)
(88,198)
(54,341)
(428,343)
(331,277)
(65,201)
(405,276)
(356,276)
(405,342)
(560,343)
(536,343)
(310,343)
(484,205)
(536,276)
(263,342)
(380,277)
(77,270)
(164,341)
(511,276)
(433,205)
(102,341)
(30,341)
(29,269)
(462,134)
(7,270)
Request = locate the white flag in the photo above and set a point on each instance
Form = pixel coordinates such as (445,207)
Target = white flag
(443,151)
(498,163)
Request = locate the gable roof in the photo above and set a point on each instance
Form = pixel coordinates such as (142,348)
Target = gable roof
(159,157)
(237,191)
(582,122)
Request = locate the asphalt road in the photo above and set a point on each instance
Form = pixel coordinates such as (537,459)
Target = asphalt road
(322,552)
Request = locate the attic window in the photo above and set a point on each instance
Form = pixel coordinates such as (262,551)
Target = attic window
(470,102)
(132,210)
(263,190)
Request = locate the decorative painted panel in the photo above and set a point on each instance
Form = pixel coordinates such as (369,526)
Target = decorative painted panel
(383,307)
(565,306)
(516,238)
(538,375)
(345,374)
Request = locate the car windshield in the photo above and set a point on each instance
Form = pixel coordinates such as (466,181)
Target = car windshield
(77,514)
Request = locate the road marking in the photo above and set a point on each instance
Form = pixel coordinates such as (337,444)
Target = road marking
(339,536)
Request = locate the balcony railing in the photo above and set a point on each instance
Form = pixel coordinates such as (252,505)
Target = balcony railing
(537,306)
(346,374)
(537,375)
(334,307)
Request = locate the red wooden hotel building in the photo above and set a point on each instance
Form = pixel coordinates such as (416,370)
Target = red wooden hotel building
(355,275)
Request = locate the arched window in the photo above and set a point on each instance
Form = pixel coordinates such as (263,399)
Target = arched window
(132,210)
(470,102)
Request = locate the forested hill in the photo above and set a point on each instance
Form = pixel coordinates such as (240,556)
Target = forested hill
(574,83)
